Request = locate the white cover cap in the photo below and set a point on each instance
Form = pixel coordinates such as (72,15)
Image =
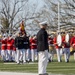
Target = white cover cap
(4,35)
(43,23)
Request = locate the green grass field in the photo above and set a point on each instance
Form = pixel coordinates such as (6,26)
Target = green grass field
(53,67)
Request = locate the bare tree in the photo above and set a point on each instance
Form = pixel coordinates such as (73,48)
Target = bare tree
(67,10)
(9,11)
(15,11)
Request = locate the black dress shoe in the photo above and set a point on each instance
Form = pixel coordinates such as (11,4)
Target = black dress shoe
(45,74)
(67,61)
(49,60)
(60,60)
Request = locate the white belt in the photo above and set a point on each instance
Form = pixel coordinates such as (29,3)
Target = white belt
(33,44)
(8,45)
(50,44)
(3,44)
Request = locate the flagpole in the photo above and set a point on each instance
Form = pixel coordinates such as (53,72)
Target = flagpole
(58,17)
(22,7)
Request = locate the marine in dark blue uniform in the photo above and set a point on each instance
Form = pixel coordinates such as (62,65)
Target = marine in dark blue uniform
(42,47)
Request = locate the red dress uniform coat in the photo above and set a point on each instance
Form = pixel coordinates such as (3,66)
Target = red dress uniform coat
(9,44)
(13,44)
(50,41)
(65,44)
(33,43)
(4,44)
(73,41)
(55,43)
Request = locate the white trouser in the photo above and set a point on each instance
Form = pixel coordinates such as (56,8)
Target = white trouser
(66,53)
(74,55)
(33,54)
(9,55)
(17,55)
(28,54)
(13,55)
(3,54)
(42,61)
(21,55)
(36,55)
(59,54)
(51,54)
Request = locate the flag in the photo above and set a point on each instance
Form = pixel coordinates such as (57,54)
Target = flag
(22,28)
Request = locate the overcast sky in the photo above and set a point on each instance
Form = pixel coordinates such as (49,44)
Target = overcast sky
(39,4)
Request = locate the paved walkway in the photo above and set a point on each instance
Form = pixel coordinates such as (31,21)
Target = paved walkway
(17,73)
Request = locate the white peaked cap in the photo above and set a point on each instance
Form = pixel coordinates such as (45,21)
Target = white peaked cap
(9,34)
(4,34)
(43,23)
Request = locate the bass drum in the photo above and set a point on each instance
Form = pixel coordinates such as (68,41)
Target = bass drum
(51,48)
(67,38)
(73,48)
(59,40)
